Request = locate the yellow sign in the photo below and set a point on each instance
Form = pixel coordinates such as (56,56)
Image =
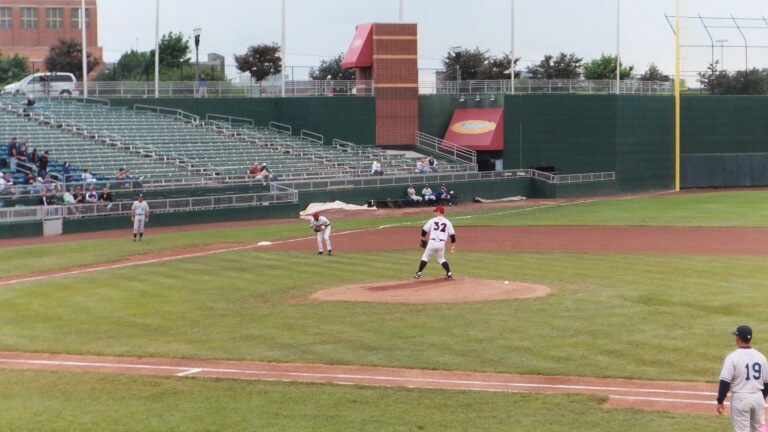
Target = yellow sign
(473,127)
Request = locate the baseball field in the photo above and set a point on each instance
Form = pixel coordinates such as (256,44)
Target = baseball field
(99,333)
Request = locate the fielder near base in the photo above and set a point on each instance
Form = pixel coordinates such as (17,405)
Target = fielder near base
(745,374)
(322,226)
(139,215)
(439,229)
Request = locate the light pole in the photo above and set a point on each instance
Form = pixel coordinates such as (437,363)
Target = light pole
(721,41)
(197,32)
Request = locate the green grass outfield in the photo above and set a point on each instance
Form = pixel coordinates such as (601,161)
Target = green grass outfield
(639,316)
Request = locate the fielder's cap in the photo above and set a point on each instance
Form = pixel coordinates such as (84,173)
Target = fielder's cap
(439,209)
(744,333)
(315,214)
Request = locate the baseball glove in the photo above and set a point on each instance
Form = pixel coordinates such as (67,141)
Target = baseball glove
(317,228)
(423,243)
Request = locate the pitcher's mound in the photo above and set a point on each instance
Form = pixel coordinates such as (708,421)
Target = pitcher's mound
(425,290)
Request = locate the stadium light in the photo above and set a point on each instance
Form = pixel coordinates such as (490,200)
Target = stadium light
(197,31)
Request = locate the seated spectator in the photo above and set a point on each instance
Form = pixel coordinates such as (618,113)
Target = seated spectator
(376,167)
(13,147)
(91,196)
(120,174)
(42,200)
(428,195)
(444,194)
(421,167)
(53,197)
(78,195)
(266,174)
(432,164)
(254,171)
(69,197)
(28,104)
(105,197)
(411,194)
(87,177)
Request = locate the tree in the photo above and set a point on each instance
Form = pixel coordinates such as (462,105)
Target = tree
(332,68)
(67,56)
(497,68)
(470,63)
(261,61)
(605,68)
(174,50)
(13,68)
(565,66)
(654,74)
(714,80)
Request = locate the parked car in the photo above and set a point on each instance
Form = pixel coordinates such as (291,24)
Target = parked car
(45,84)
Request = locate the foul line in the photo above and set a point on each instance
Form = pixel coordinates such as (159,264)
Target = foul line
(347,379)
(251,246)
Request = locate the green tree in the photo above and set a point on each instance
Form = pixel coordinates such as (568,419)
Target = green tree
(653,73)
(470,63)
(497,68)
(714,80)
(174,51)
(332,68)
(565,66)
(604,68)
(747,82)
(261,61)
(12,68)
(67,56)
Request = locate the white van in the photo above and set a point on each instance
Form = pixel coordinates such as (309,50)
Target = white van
(45,84)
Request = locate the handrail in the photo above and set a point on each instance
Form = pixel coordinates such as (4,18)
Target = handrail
(339,144)
(183,115)
(230,118)
(278,126)
(445,148)
(311,136)
(106,102)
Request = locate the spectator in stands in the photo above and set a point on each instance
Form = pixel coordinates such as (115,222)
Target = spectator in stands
(42,165)
(32,183)
(105,197)
(411,194)
(376,168)
(28,104)
(53,197)
(202,86)
(432,163)
(47,183)
(65,169)
(69,197)
(13,147)
(329,86)
(421,167)
(87,177)
(21,153)
(266,173)
(91,197)
(32,159)
(78,195)
(42,200)
(120,174)
(254,171)
(2,184)
(444,194)
(429,196)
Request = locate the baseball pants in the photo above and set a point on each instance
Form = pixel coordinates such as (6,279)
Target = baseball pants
(138,224)
(324,234)
(434,247)
(747,411)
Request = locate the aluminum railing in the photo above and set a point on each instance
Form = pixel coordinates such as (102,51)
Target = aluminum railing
(449,150)
(180,89)
(471,88)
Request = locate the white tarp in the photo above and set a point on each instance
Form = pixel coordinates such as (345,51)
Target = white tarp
(336,205)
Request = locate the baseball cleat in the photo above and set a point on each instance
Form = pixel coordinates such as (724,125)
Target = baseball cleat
(320,253)
(417,275)
(449,276)
(330,252)
(134,239)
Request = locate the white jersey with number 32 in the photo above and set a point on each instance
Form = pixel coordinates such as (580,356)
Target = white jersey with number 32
(439,229)
(746,370)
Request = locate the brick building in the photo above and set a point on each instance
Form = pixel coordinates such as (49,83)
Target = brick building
(30,27)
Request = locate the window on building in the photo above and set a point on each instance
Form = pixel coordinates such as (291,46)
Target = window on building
(28,18)
(54,18)
(76,18)
(5,17)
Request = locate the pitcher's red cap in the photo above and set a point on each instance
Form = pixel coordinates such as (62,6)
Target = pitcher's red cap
(439,209)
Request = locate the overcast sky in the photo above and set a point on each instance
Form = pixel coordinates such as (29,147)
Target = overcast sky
(317,30)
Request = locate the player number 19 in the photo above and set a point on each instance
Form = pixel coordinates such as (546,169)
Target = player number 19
(757,370)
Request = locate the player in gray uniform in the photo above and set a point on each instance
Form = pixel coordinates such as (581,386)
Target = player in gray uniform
(139,215)
(745,375)
(322,226)
(439,229)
